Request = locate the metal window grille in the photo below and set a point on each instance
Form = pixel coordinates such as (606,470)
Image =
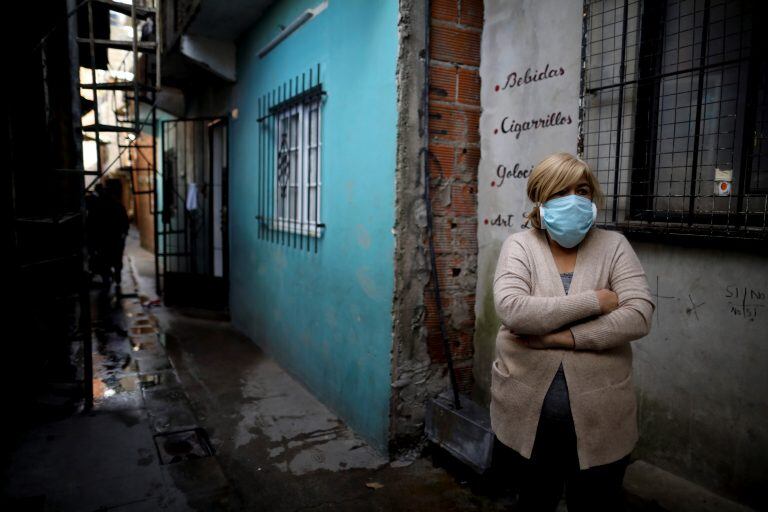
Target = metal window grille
(674,116)
(289,173)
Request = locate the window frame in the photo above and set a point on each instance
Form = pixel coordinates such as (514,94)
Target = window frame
(639,213)
(301,222)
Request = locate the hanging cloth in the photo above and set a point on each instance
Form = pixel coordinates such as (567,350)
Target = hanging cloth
(192,196)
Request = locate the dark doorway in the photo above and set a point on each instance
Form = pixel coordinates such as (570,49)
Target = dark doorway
(192,251)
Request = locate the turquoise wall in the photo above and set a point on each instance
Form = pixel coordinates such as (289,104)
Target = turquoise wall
(325,317)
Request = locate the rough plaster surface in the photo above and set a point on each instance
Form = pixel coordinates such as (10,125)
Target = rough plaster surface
(702,373)
(413,380)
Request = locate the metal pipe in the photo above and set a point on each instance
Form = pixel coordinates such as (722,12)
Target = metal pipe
(428,204)
(158,45)
(155,200)
(697,126)
(622,74)
(92,48)
(135,47)
(317,164)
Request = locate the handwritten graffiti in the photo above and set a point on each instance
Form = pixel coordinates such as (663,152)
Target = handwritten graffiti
(503,220)
(503,172)
(517,80)
(517,127)
(745,302)
(694,307)
(659,299)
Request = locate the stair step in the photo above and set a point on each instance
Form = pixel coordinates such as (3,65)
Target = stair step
(47,261)
(108,128)
(79,171)
(48,219)
(141,11)
(142,46)
(142,98)
(129,168)
(116,86)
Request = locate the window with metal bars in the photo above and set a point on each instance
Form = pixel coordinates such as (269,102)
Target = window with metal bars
(289,174)
(674,115)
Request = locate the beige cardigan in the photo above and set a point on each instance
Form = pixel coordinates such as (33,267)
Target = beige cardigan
(530,299)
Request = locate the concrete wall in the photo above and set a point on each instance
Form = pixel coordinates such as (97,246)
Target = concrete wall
(702,373)
(325,317)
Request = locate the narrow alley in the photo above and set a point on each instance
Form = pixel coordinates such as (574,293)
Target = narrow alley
(191,415)
(282,449)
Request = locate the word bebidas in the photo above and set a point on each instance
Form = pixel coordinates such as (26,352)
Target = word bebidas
(513,80)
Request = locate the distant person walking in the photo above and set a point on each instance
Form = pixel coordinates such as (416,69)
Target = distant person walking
(116,225)
(107,228)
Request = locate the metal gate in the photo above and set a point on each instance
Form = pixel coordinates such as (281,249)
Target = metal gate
(192,249)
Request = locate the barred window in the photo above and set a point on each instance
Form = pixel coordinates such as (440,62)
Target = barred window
(297,156)
(673,115)
(289,173)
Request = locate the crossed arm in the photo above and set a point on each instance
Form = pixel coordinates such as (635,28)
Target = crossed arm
(573,321)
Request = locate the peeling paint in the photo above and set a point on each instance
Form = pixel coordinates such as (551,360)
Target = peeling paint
(363,237)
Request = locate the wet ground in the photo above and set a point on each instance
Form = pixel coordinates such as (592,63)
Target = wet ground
(191,415)
(139,448)
(283,450)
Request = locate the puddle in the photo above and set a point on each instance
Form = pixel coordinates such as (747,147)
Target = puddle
(143,330)
(151,380)
(111,386)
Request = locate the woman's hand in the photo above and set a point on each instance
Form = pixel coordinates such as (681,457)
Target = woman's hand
(557,339)
(563,339)
(608,300)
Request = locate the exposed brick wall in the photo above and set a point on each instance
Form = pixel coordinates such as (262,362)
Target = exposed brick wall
(454,145)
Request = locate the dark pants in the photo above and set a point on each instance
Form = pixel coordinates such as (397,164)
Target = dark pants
(113,256)
(554,465)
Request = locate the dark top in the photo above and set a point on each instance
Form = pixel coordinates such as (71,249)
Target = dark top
(557,405)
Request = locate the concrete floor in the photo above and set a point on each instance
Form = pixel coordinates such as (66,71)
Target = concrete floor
(283,450)
(170,382)
(140,448)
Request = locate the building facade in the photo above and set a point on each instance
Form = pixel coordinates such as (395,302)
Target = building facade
(656,98)
(339,113)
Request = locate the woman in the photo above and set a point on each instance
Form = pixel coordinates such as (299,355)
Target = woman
(571,297)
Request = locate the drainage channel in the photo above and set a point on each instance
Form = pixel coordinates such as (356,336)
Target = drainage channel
(183,445)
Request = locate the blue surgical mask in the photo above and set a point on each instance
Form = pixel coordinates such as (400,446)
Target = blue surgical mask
(568,218)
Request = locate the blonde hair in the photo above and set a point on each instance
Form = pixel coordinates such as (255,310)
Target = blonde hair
(553,174)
